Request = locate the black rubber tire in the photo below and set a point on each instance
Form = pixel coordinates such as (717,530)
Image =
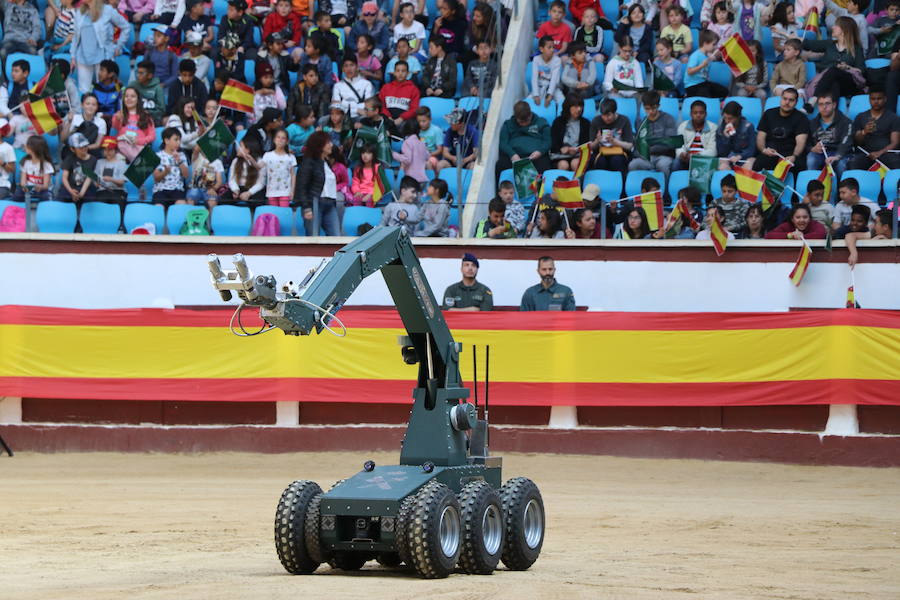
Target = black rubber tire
(348,561)
(423,532)
(290,527)
(389,559)
(475,500)
(516,495)
(403,520)
(313,531)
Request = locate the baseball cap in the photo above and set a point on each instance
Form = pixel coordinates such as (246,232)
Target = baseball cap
(370,7)
(160,29)
(193,38)
(230,41)
(338,106)
(273,37)
(455,116)
(77,140)
(109,142)
(238,4)
(590,193)
(469,257)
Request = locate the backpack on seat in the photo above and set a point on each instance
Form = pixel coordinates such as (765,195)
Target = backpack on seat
(196,222)
(13,219)
(266,224)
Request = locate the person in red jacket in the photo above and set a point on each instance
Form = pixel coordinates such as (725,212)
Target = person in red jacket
(400,97)
(286,22)
(577,8)
(799,226)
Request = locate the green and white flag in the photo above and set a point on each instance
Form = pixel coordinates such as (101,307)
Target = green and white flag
(887,40)
(641,143)
(370,136)
(701,171)
(624,87)
(661,81)
(524,176)
(215,141)
(142,166)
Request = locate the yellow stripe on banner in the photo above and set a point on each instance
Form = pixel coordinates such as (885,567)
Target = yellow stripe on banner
(518,356)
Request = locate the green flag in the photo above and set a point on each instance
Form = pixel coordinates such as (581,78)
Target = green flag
(661,81)
(670,141)
(641,143)
(624,87)
(701,170)
(524,176)
(215,141)
(772,190)
(887,40)
(50,84)
(142,166)
(370,136)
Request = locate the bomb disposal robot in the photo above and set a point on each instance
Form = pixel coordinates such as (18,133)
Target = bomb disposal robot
(443,506)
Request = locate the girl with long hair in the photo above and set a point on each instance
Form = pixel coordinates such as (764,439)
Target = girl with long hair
(635,226)
(37,168)
(246,182)
(364,175)
(182,118)
(842,66)
(569,131)
(133,125)
(281,174)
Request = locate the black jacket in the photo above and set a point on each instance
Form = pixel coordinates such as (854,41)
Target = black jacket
(318,97)
(178,90)
(447,76)
(310,182)
(558,131)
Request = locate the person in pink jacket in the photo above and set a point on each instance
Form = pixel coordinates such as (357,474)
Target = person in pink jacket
(799,226)
(136,10)
(133,125)
(413,155)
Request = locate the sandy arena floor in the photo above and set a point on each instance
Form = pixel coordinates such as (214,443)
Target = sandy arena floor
(200,526)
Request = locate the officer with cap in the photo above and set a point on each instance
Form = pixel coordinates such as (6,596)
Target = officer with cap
(468,294)
(548,294)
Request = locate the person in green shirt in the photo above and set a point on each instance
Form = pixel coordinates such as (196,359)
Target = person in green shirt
(495,226)
(468,294)
(548,294)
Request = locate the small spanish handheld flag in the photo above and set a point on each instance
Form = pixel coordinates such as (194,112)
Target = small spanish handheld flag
(584,156)
(737,55)
(799,270)
(749,183)
(568,193)
(381,190)
(718,235)
(42,114)
(826,177)
(879,167)
(782,169)
(237,96)
(851,298)
(681,211)
(812,23)
(652,204)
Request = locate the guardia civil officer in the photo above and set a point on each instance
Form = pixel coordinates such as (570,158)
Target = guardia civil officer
(548,294)
(468,294)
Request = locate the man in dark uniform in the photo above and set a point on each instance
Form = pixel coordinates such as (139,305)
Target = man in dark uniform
(548,294)
(468,294)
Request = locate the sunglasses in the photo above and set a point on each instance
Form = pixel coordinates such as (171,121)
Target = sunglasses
(369,14)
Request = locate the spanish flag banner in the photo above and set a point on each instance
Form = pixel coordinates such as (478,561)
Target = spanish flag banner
(749,183)
(879,167)
(812,23)
(782,169)
(42,114)
(568,193)
(679,212)
(382,190)
(718,235)
(584,157)
(826,177)
(737,55)
(652,204)
(237,96)
(799,270)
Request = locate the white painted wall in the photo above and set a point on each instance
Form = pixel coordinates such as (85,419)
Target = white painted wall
(129,281)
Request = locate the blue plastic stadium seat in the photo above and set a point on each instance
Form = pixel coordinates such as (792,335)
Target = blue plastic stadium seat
(439,107)
(803,179)
(156,145)
(285,217)
(250,72)
(175,216)
(751,108)
(678,180)
(869,182)
(138,213)
(354,216)
(627,107)
(550,175)
(712,108)
(858,104)
(768,45)
(889,185)
(459,80)
(609,182)
(56,217)
(505,175)
(100,217)
(453,220)
(634,179)
(449,175)
(720,73)
(124,63)
(590,109)
(471,103)
(549,113)
(230,220)
(146,34)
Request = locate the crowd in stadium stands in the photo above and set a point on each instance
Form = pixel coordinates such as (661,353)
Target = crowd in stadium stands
(139,73)
(136,73)
(603,71)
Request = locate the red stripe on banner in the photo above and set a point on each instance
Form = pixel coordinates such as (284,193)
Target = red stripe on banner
(766,393)
(503,320)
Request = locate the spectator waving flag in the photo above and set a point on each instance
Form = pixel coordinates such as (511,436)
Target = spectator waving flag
(568,193)
(782,169)
(215,141)
(584,156)
(812,24)
(737,55)
(749,183)
(700,171)
(237,96)
(681,211)
(382,191)
(42,114)
(799,270)
(826,177)
(887,40)
(772,190)
(50,84)
(718,235)
(652,204)
(524,177)
(142,166)
(851,294)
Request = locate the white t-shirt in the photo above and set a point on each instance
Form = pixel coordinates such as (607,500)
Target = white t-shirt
(415,34)
(279,168)
(172,180)
(34,172)
(7,155)
(204,172)
(329,188)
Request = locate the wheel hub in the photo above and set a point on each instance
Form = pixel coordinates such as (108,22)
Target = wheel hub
(534,523)
(491,529)
(449,529)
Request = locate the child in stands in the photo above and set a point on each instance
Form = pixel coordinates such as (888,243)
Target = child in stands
(281,171)
(403,211)
(624,69)
(435,213)
(590,35)
(364,175)
(556,29)
(678,34)
(673,69)
(546,70)
(37,168)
